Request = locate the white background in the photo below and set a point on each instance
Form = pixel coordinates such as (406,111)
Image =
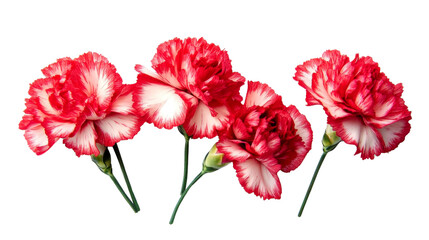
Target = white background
(59,196)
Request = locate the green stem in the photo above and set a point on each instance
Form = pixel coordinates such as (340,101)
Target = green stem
(185,164)
(312,182)
(127,181)
(123,193)
(184,194)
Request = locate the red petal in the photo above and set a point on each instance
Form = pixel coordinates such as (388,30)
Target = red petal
(37,139)
(233,152)
(116,127)
(161,104)
(59,128)
(124,102)
(96,78)
(395,133)
(166,76)
(61,67)
(259,177)
(260,94)
(301,148)
(83,142)
(204,124)
(352,130)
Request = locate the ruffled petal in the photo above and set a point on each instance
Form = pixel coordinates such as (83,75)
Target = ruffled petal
(395,133)
(116,127)
(61,67)
(259,176)
(204,124)
(352,130)
(233,151)
(260,94)
(124,102)
(161,104)
(303,142)
(58,128)
(97,79)
(83,142)
(37,139)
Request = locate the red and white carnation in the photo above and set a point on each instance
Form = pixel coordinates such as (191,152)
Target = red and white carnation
(82,101)
(194,86)
(265,137)
(363,106)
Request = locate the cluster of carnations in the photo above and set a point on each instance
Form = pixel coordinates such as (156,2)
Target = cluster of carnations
(193,87)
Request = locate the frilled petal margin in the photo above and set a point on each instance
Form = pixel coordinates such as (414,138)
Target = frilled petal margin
(117,127)
(233,151)
(204,124)
(37,139)
(260,95)
(259,177)
(83,142)
(161,104)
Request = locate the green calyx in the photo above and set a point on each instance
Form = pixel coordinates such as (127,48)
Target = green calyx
(330,139)
(103,161)
(213,161)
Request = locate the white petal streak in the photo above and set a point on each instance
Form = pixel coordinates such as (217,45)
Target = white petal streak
(83,142)
(36,138)
(232,151)
(257,178)
(161,104)
(116,127)
(204,124)
(259,94)
(394,133)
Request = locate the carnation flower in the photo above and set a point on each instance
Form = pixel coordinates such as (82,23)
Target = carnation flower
(363,107)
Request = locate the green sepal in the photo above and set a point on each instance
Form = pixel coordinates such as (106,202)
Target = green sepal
(213,161)
(330,139)
(103,162)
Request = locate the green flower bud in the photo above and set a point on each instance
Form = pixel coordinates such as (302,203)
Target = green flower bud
(330,139)
(103,160)
(213,161)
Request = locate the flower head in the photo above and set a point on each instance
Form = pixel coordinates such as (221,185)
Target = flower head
(82,101)
(193,86)
(264,138)
(364,108)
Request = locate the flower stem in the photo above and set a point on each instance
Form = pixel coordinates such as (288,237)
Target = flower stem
(122,192)
(127,181)
(312,182)
(184,194)
(185,164)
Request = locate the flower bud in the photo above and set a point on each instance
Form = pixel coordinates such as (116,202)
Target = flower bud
(330,139)
(103,160)
(213,160)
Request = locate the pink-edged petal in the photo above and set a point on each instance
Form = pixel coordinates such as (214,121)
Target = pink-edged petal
(161,104)
(37,139)
(233,151)
(58,128)
(353,130)
(304,72)
(61,67)
(321,93)
(84,141)
(116,127)
(40,92)
(166,77)
(260,94)
(259,177)
(124,102)
(395,133)
(203,124)
(96,78)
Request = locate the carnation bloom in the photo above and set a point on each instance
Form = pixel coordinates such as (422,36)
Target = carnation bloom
(363,106)
(194,86)
(82,101)
(265,137)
